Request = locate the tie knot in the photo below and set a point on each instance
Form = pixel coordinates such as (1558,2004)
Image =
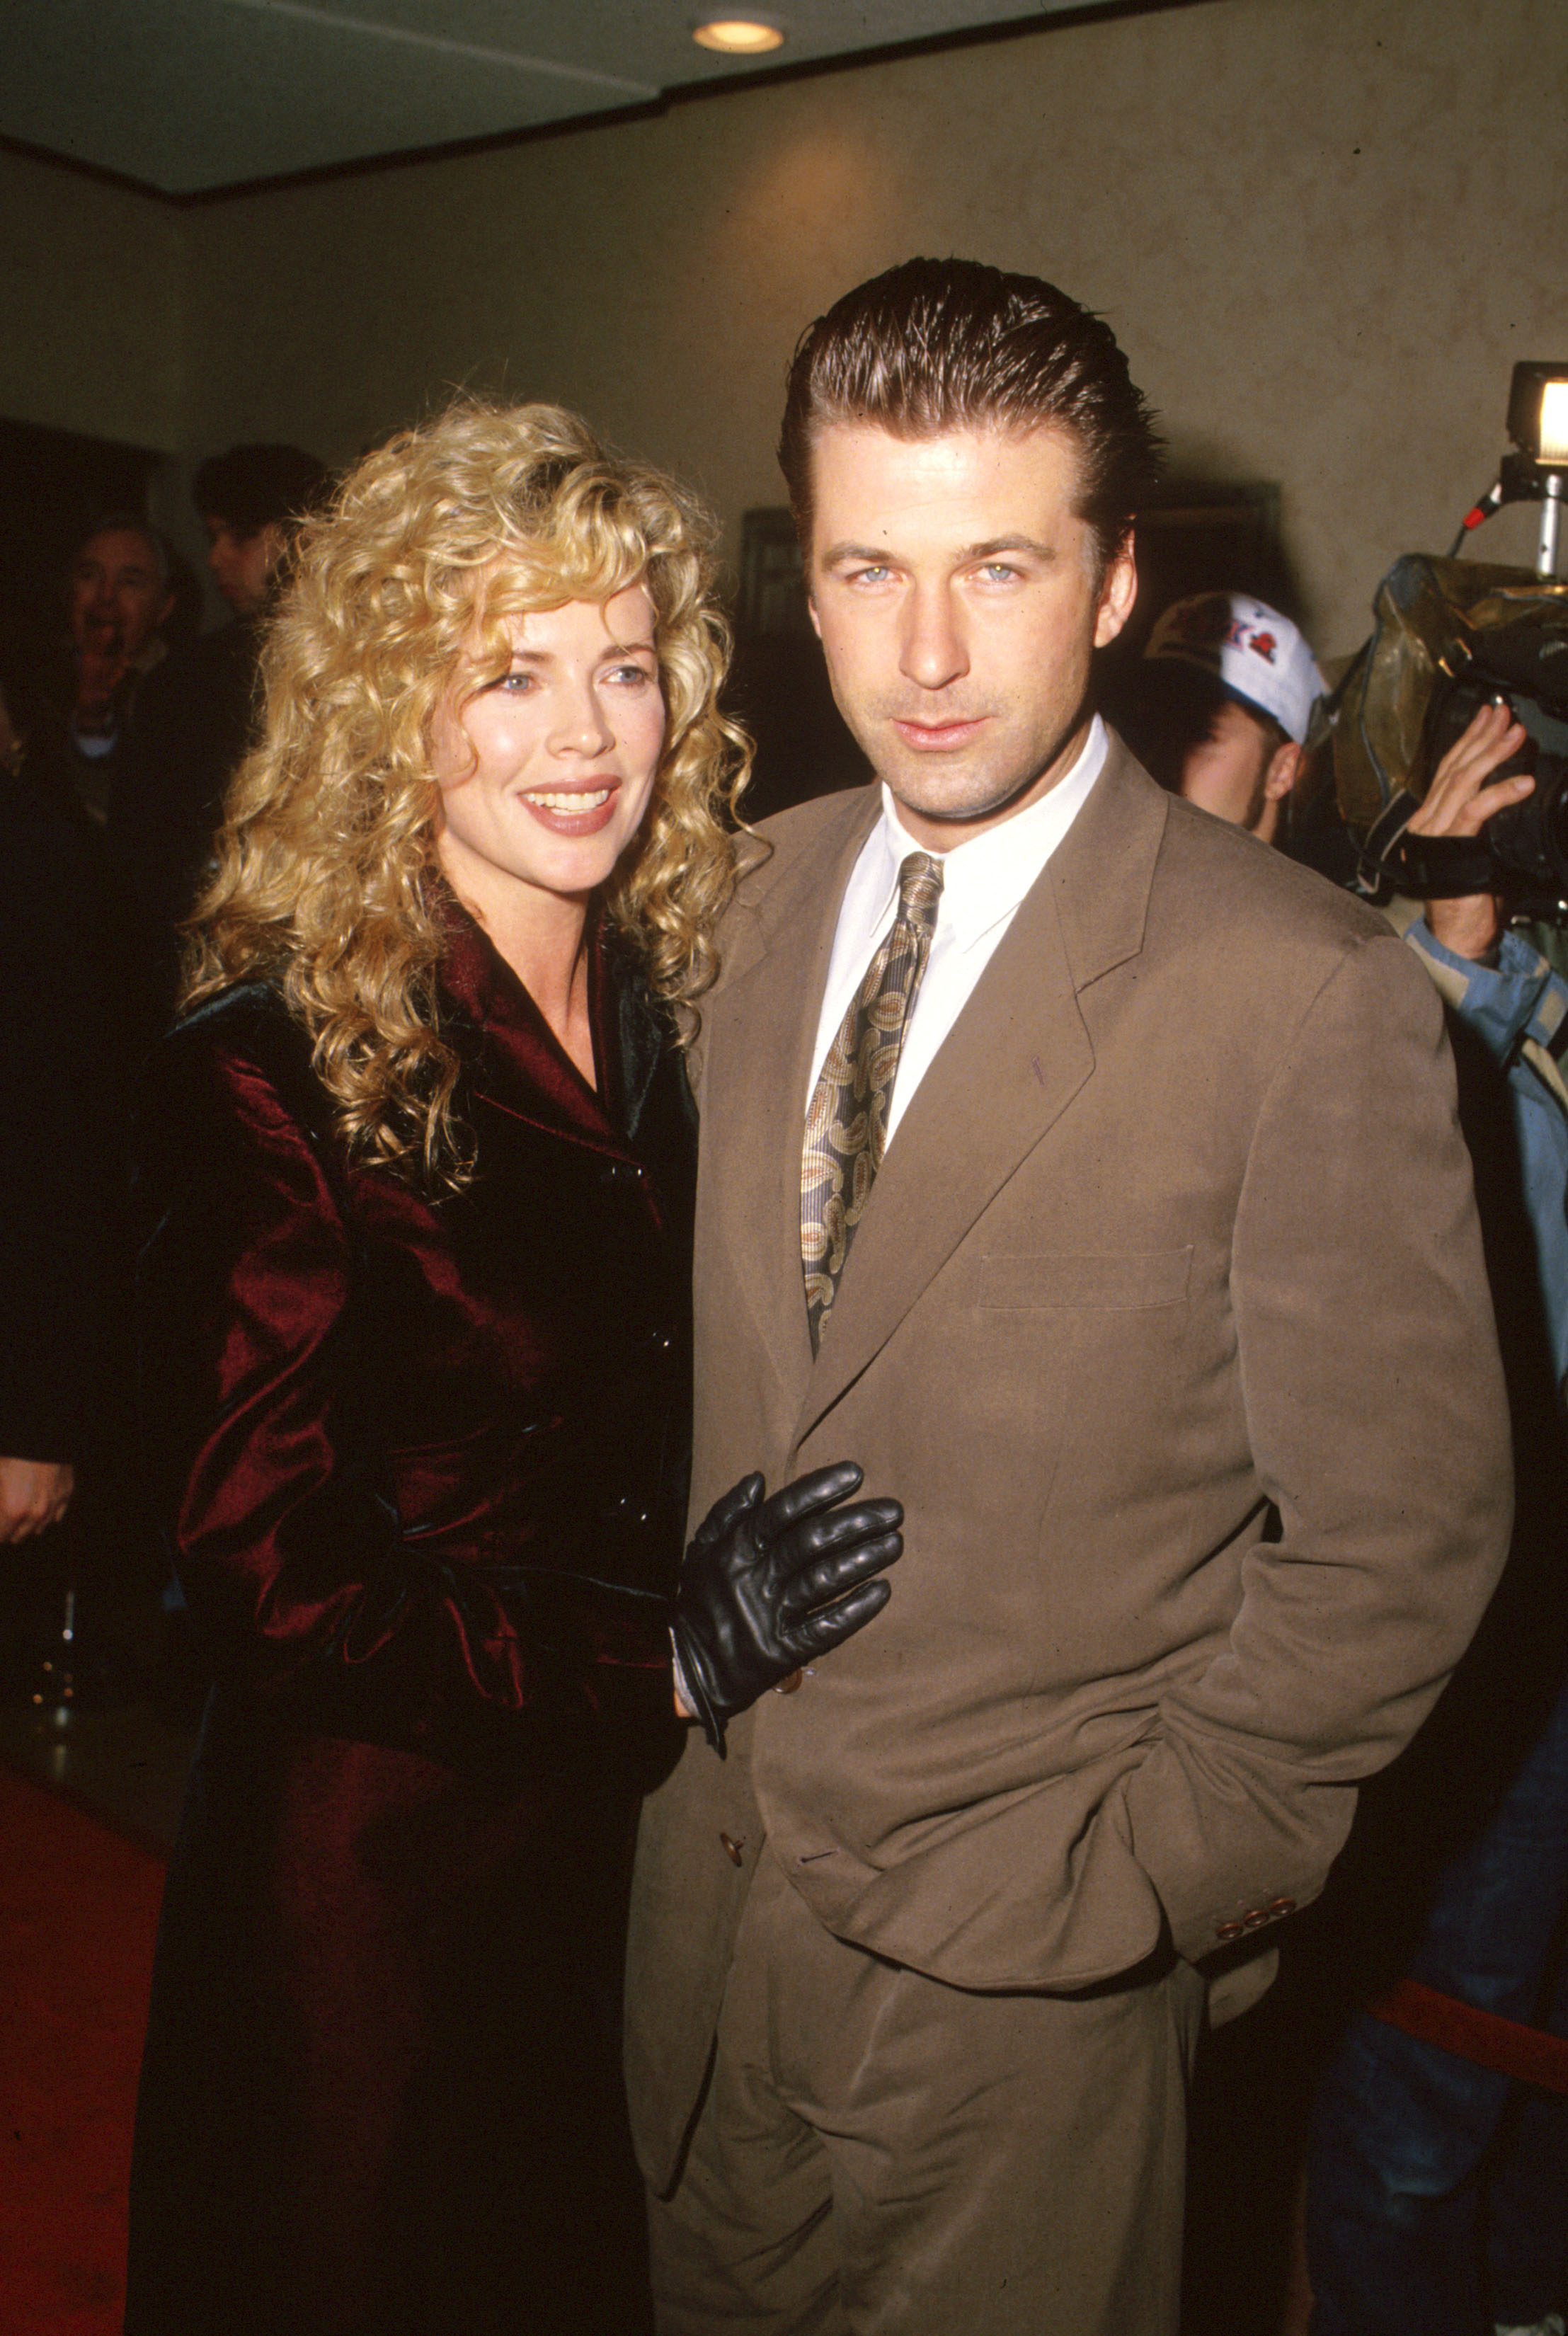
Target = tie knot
(919,889)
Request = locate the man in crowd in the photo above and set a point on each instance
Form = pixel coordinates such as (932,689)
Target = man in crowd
(1060,1217)
(119,598)
(1224,692)
(1461,1882)
(193,722)
(250,500)
(1438,2192)
(56,1050)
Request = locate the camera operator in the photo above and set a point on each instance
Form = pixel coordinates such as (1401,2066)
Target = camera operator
(1426,2163)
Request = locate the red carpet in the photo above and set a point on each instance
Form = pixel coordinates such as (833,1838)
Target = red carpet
(78,1912)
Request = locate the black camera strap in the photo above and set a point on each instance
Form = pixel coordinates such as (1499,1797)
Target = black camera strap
(1422,867)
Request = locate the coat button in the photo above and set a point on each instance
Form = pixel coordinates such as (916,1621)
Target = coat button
(1255,1918)
(733,1848)
(788,1685)
(1228,1931)
(1282,1906)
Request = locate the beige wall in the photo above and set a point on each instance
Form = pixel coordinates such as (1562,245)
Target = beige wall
(90,306)
(1323,230)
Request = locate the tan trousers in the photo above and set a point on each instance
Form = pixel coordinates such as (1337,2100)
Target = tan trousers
(879,2155)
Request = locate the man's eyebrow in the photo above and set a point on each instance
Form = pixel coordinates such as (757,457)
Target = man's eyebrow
(877,554)
(880,556)
(988,550)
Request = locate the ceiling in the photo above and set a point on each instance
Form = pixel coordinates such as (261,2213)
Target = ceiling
(186,96)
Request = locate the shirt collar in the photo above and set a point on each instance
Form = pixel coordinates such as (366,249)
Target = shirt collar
(984,879)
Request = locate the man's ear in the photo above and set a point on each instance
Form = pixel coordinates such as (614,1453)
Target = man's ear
(1285,765)
(275,539)
(811,612)
(1117,592)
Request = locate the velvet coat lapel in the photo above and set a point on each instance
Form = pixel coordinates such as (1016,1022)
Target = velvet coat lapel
(521,1066)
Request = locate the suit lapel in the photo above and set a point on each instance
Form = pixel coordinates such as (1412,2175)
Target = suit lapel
(754,1086)
(1011,1064)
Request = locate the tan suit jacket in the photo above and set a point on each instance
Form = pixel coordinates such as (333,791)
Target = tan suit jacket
(1167,1321)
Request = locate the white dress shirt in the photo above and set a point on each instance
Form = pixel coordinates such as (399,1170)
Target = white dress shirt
(984,882)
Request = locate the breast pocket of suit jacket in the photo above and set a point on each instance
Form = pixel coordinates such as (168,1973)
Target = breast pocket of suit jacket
(1115,1328)
(986,1368)
(1096,1283)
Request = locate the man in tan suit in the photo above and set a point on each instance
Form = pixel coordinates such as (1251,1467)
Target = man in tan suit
(1115,1218)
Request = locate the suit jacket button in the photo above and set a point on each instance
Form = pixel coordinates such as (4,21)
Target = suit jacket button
(733,1848)
(1228,1931)
(1282,1906)
(1255,1918)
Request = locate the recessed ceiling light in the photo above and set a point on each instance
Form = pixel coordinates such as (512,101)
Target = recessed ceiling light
(738,37)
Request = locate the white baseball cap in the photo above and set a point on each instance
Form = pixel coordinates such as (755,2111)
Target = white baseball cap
(1256,656)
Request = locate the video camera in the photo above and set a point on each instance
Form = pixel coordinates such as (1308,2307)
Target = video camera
(1451,636)
(1522,852)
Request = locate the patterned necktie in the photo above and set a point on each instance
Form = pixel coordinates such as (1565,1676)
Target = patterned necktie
(847,1124)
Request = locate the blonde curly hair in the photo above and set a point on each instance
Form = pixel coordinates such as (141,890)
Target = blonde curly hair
(326,883)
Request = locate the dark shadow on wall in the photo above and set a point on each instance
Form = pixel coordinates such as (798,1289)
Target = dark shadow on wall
(778,682)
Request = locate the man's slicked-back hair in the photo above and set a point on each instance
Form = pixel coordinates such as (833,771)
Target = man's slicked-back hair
(937,344)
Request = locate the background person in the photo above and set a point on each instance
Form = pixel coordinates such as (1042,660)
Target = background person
(251,502)
(1437,2186)
(57,1050)
(413,1295)
(1221,700)
(54,1024)
(120,597)
(196,720)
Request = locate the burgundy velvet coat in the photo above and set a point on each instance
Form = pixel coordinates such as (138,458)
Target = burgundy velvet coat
(422,1463)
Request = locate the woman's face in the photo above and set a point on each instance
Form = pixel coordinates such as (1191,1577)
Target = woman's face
(545,774)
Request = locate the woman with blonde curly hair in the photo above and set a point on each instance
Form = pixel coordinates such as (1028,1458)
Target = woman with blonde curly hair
(416,1196)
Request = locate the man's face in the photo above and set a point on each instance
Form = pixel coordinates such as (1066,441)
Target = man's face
(241,565)
(958,596)
(118,599)
(1237,772)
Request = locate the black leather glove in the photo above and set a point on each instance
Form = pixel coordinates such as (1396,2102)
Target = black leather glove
(767,1586)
